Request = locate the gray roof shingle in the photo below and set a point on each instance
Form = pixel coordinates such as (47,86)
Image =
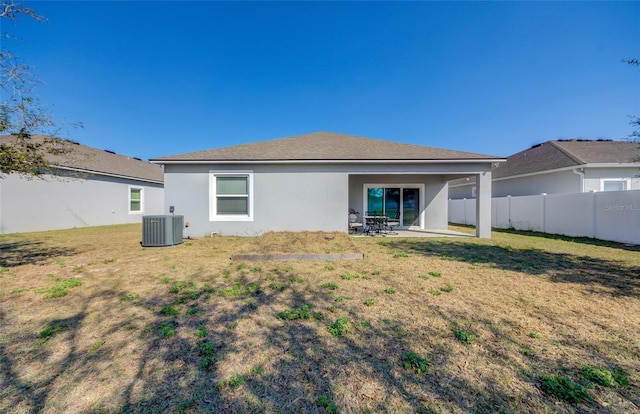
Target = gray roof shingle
(325,146)
(93,160)
(552,155)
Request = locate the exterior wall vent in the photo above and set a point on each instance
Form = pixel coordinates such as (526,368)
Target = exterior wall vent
(164,230)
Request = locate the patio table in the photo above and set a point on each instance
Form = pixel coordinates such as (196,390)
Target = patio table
(374,224)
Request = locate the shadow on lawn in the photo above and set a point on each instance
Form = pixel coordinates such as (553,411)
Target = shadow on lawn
(32,395)
(583,240)
(184,373)
(615,278)
(22,252)
(309,367)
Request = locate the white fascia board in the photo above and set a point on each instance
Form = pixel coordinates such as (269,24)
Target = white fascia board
(469,161)
(83,171)
(599,165)
(584,166)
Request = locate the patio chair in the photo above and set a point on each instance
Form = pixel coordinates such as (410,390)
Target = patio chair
(372,222)
(392,222)
(354,224)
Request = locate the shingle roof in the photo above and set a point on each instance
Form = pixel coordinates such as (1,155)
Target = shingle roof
(88,159)
(324,146)
(552,155)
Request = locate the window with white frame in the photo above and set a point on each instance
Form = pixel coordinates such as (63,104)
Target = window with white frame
(136,202)
(613,185)
(231,196)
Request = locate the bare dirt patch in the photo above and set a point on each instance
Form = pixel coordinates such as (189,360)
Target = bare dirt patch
(419,325)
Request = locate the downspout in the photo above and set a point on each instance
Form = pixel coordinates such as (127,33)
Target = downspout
(580,172)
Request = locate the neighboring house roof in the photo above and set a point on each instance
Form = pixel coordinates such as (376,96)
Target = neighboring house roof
(325,147)
(96,161)
(552,155)
(565,153)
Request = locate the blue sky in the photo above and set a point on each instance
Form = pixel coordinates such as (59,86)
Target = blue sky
(150,79)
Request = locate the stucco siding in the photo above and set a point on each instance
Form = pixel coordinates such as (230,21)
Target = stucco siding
(593,177)
(68,202)
(458,192)
(286,198)
(551,183)
(304,197)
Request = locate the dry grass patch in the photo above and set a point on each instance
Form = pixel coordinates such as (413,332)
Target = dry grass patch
(300,243)
(186,329)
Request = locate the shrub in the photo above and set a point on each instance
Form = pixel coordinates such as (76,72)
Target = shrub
(49,331)
(170,311)
(167,329)
(202,332)
(564,388)
(61,288)
(129,296)
(329,285)
(603,376)
(206,349)
(339,327)
(296,313)
(412,362)
(464,336)
(236,381)
(330,406)
(400,254)
(277,286)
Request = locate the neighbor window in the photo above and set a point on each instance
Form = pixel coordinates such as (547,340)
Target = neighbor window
(614,185)
(135,200)
(231,196)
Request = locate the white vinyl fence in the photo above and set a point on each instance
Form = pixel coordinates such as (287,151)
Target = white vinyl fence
(610,215)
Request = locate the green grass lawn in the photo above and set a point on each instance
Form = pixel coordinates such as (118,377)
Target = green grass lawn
(90,321)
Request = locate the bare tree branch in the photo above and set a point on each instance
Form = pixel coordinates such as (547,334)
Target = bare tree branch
(22,114)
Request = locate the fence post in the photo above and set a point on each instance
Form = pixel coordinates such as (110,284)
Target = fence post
(544,212)
(595,215)
(509,212)
(464,204)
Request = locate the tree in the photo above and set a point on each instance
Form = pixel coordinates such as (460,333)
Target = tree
(21,113)
(635,120)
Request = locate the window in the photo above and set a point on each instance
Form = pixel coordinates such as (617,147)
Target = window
(614,185)
(135,200)
(231,196)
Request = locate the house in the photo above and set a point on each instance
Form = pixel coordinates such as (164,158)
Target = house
(562,166)
(309,182)
(91,187)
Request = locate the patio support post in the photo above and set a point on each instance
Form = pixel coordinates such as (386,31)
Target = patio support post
(483,205)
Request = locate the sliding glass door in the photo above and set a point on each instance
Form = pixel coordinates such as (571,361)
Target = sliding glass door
(390,200)
(410,207)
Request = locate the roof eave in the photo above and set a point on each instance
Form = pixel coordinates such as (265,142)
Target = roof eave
(106,174)
(336,161)
(588,165)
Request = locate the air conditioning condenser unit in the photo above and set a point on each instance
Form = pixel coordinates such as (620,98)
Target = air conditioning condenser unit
(162,230)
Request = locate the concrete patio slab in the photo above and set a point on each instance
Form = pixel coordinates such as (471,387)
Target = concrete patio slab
(418,233)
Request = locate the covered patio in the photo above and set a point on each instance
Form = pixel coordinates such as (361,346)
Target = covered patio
(415,234)
(416,196)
